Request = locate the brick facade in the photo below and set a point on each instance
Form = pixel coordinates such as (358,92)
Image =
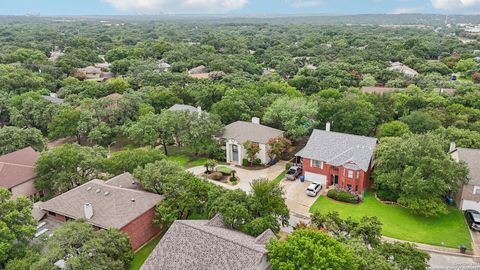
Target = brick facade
(141,229)
(359,182)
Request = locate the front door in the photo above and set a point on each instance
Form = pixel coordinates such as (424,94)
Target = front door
(234,152)
(335,179)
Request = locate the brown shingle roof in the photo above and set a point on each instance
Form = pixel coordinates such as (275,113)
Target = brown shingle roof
(18,167)
(380,90)
(113,207)
(206,245)
(243,131)
(125,180)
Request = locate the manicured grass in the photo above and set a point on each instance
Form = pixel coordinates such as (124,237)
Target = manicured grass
(280,177)
(184,157)
(448,230)
(224,169)
(142,254)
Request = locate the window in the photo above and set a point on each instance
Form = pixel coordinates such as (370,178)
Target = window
(350,173)
(476,190)
(356,188)
(349,187)
(358,174)
(317,164)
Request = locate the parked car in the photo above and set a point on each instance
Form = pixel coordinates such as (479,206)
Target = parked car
(473,219)
(293,173)
(313,189)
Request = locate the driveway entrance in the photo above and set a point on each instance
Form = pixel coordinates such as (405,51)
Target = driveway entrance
(297,201)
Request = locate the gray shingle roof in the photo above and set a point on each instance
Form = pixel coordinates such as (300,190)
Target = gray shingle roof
(183,107)
(113,206)
(339,148)
(125,180)
(472,158)
(201,244)
(242,131)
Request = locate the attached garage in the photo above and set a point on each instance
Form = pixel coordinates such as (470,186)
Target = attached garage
(315,177)
(470,205)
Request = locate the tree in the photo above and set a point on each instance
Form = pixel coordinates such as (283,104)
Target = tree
(324,252)
(294,115)
(210,165)
(421,122)
(277,146)
(404,255)
(65,167)
(251,149)
(83,247)
(17,225)
(200,131)
(393,129)
(155,175)
(64,124)
(129,159)
(465,65)
(418,171)
(368,80)
(185,195)
(14,138)
(354,116)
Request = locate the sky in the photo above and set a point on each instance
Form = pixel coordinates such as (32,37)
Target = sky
(238,7)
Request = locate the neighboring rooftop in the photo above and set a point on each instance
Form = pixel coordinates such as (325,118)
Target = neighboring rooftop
(447,91)
(339,148)
(207,245)
(183,107)
(198,70)
(380,90)
(18,167)
(53,99)
(397,66)
(472,158)
(112,206)
(243,131)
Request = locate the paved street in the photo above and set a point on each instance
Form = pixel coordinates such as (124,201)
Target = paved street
(440,261)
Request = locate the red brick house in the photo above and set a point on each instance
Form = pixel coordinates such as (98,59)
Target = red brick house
(103,204)
(17,172)
(339,159)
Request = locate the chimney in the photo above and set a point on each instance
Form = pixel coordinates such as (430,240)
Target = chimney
(88,209)
(199,110)
(53,95)
(256,120)
(327,126)
(453,146)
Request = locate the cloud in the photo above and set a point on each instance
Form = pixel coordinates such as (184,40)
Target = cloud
(304,3)
(156,6)
(456,4)
(405,10)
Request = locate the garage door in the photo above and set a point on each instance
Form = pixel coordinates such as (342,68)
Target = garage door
(315,177)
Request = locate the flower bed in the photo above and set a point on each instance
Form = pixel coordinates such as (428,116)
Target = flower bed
(343,196)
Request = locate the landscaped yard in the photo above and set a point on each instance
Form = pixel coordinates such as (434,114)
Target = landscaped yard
(142,254)
(183,156)
(448,230)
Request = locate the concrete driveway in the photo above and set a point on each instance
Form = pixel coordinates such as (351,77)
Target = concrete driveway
(246,176)
(297,201)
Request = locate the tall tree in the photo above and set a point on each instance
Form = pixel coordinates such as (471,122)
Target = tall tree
(65,167)
(14,138)
(155,175)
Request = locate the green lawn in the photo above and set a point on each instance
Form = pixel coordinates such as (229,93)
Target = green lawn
(448,230)
(184,156)
(142,254)
(280,177)
(224,169)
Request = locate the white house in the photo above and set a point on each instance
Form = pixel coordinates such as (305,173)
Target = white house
(237,133)
(469,195)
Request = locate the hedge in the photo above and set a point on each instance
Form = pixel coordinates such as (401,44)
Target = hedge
(343,196)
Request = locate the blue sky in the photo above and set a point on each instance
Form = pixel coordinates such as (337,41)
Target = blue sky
(113,7)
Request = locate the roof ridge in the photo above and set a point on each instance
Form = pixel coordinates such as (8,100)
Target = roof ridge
(218,236)
(346,134)
(16,164)
(348,150)
(103,184)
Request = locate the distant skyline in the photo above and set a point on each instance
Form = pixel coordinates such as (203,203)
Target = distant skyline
(239,7)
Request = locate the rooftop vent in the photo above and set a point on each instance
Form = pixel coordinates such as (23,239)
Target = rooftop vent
(89,188)
(98,190)
(106,193)
(133,199)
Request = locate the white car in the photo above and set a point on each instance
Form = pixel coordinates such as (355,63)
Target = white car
(313,189)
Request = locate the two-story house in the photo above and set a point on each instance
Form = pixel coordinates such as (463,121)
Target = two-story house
(343,160)
(468,198)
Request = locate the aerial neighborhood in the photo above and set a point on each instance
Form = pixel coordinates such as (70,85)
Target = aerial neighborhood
(217,142)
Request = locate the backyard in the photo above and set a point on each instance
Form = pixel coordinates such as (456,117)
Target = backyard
(183,156)
(142,254)
(449,230)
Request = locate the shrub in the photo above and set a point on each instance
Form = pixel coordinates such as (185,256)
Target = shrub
(245,162)
(288,165)
(257,162)
(234,179)
(224,170)
(343,196)
(386,195)
(216,176)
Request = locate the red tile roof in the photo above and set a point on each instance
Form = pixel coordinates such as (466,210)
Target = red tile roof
(18,167)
